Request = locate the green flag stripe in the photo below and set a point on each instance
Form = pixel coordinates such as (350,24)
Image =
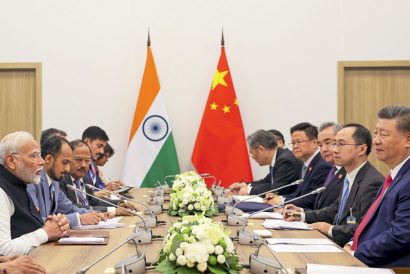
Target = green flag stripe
(166,163)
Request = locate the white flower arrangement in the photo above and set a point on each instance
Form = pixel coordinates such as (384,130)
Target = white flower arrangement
(187,179)
(191,196)
(197,244)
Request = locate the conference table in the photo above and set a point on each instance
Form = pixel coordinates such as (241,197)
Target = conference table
(71,258)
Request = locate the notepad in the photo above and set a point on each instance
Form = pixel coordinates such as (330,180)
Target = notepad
(82,240)
(110,223)
(265,215)
(304,248)
(300,241)
(326,269)
(280,224)
(256,199)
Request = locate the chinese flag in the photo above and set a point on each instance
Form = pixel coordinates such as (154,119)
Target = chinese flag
(220,147)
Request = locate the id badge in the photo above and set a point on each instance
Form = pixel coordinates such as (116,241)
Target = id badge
(351,220)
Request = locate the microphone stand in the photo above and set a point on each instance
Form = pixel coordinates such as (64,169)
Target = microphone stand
(130,238)
(245,237)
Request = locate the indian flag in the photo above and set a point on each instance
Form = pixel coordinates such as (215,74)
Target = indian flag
(151,153)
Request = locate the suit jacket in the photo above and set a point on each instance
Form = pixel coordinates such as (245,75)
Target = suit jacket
(314,178)
(285,171)
(385,241)
(364,189)
(332,190)
(94,204)
(51,200)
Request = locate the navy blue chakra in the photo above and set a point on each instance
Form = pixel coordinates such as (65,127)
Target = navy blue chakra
(155,128)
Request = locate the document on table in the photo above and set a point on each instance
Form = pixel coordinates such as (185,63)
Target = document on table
(110,223)
(256,199)
(299,241)
(280,224)
(82,240)
(304,248)
(265,215)
(326,269)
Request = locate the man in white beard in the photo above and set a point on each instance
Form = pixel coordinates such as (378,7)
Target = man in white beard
(21,226)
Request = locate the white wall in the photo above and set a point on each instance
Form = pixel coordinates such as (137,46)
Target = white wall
(282,54)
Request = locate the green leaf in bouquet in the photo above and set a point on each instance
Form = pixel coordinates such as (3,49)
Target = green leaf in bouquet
(166,267)
(176,242)
(173,213)
(187,270)
(233,262)
(216,269)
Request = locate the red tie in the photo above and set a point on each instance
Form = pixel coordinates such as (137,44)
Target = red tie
(370,212)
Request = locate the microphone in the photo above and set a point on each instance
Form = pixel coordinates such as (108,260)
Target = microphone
(233,210)
(151,222)
(259,264)
(208,175)
(251,238)
(139,258)
(153,210)
(240,220)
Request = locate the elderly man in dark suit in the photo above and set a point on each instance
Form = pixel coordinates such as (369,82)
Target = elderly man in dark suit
(77,177)
(383,237)
(351,147)
(284,168)
(314,171)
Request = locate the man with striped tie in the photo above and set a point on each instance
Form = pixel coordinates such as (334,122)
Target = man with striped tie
(383,237)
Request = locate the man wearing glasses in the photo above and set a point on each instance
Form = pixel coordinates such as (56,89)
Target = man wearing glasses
(21,226)
(314,170)
(351,147)
(284,168)
(77,178)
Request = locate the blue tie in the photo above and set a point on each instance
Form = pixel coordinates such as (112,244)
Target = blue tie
(343,200)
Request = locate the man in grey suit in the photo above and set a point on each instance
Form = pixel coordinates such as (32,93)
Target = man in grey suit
(351,147)
(47,196)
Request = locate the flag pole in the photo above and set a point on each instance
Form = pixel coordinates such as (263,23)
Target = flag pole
(149,39)
(222,39)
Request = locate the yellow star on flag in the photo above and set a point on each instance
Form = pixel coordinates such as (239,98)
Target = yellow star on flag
(236,102)
(219,79)
(213,106)
(226,109)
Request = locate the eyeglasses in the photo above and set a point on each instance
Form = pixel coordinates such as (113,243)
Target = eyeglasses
(80,160)
(342,145)
(298,142)
(35,155)
(325,144)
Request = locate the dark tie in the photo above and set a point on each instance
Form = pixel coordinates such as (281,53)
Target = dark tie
(80,196)
(304,168)
(370,212)
(330,176)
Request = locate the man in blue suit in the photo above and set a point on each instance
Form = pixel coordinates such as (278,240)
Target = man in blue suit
(47,196)
(314,170)
(383,236)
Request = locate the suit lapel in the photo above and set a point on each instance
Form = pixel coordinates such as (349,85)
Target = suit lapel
(337,179)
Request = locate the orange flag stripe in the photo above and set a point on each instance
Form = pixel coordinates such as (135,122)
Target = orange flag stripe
(149,89)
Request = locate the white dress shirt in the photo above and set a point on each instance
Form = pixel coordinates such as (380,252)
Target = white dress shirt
(22,244)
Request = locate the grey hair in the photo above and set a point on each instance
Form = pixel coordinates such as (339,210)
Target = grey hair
(326,125)
(12,143)
(262,138)
(400,113)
